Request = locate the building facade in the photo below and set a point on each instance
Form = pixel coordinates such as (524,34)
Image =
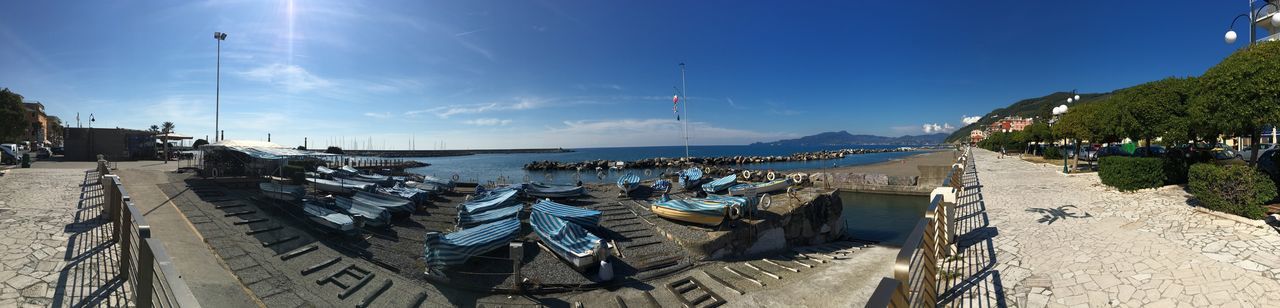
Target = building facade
(38,128)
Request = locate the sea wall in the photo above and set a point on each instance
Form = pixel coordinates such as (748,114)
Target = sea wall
(930,177)
(809,217)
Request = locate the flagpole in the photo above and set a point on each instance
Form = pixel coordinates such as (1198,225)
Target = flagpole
(685,92)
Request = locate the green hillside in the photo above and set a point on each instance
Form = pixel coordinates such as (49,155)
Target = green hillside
(1040,107)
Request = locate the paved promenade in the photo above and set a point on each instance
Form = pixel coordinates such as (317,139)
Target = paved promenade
(1032,237)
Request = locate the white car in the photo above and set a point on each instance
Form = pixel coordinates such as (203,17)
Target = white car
(1245,153)
(9,153)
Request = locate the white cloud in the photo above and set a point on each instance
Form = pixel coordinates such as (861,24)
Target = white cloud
(970,120)
(382,115)
(445,112)
(930,128)
(648,132)
(488,122)
(292,77)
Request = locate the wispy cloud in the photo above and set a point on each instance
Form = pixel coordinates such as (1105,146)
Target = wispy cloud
(608,86)
(380,115)
(292,78)
(970,120)
(622,132)
(466,33)
(488,122)
(930,128)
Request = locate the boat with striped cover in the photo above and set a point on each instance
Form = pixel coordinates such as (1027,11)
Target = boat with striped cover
(720,184)
(371,214)
(546,190)
(446,184)
(441,250)
(354,174)
(752,189)
(489,200)
(414,194)
(282,192)
(329,219)
(748,205)
(662,186)
(690,178)
(570,241)
(340,186)
(394,204)
(709,212)
(468,220)
(576,215)
(628,182)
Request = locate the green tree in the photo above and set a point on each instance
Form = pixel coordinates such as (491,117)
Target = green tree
(166,128)
(13,116)
(56,130)
(1241,94)
(1153,109)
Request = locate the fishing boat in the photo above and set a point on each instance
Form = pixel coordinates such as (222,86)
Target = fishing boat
(447,184)
(662,186)
(417,195)
(282,192)
(468,220)
(748,205)
(455,248)
(372,215)
(720,184)
(491,200)
(690,178)
(571,242)
(710,212)
(339,185)
(628,182)
(576,215)
(543,190)
(393,204)
(329,219)
(347,172)
(752,189)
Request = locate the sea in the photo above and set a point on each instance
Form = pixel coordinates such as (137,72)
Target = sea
(482,168)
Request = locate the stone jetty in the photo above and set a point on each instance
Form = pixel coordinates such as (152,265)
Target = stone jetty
(680,162)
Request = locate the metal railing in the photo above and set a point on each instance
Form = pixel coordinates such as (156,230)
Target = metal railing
(147,269)
(916,268)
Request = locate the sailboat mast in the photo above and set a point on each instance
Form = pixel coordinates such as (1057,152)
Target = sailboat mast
(685,90)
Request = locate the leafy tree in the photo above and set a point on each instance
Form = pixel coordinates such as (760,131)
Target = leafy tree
(56,130)
(333,150)
(198,143)
(1153,109)
(1241,94)
(166,128)
(13,116)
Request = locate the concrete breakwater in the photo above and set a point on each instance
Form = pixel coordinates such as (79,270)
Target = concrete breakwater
(444,153)
(680,162)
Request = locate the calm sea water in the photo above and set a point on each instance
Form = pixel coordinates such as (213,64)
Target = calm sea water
(488,167)
(880,217)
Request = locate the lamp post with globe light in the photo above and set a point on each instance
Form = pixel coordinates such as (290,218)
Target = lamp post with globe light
(1057,113)
(1230,36)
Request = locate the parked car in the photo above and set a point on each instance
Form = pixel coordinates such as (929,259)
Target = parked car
(1225,156)
(1113,150)
(1247,152)
(58,151)
(1150,151)
(9,154)
(1268,164)
(1089,153)
(44,153)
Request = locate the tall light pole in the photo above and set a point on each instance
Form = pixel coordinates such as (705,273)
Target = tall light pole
(217,90)
(1252,15)
(1057,114)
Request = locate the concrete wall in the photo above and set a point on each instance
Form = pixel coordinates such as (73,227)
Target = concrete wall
(116,144)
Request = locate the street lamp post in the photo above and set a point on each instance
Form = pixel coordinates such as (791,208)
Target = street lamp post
(1252,15)
(1057,113)
(217,90)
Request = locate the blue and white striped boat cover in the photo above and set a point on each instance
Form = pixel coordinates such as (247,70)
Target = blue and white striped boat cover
(747,205)
(558,234)
(720,184)
(417,195)
(577,215)
(541,190)
(707,207)
(455,248)
(629,181)
(490,200)
(662,185)
(468,220)
(389,202)
(690,177)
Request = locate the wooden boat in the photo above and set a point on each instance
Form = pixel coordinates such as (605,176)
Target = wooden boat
(455,248)
(752,189)
(571,242)
(709,212)
(720,184)
(282,192)
(329,219)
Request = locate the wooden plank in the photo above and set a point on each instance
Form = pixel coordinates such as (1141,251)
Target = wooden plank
(359,284)
(278,242)
(368,299)
(320,266)
(269,229)
(653,302)
(793,270)
(245,222)
(246,212)
(744,276)
(766,273)
(297,252)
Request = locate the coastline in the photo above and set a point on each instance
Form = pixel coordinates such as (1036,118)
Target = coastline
(905,166)
(448,153)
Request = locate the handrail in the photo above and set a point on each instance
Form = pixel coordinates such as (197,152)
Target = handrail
(916,267)
(144,263)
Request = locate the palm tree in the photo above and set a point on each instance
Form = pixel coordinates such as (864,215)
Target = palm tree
(166,128)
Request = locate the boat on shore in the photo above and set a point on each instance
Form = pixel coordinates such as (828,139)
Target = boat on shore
(720,184)
(417,195)
(468,220)
(708,212)
(752,189)
(489,200)
(355,174)
(282,192)
(690,178)
(339,186)
(570,241)
(329,219)
(576,215)
(544,190)
(394,204)
(372,215)
(628,182)
(441,250)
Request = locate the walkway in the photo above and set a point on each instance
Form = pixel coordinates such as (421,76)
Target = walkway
(1032,237)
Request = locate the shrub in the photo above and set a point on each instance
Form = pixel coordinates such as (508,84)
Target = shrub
(1131,173)
(1235,189)
(1052,153)
(1175,168)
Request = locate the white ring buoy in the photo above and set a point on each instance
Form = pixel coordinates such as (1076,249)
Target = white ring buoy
(648,172)
(455,177)
(746,174)
(765,201)
(771,176)
(735,212)
(797,178)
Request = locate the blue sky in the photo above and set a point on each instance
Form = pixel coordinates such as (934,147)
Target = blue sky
(508,74)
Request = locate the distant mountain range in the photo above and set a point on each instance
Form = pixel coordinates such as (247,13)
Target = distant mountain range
(841,138)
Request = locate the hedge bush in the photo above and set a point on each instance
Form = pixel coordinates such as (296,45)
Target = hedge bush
(1175,168)
(1131,173)
(1052,153)
(1238,190)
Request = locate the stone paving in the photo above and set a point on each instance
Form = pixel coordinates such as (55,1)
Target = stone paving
(55,250)
(1032,237)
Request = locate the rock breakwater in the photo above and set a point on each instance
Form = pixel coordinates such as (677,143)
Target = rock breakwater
(680,162)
